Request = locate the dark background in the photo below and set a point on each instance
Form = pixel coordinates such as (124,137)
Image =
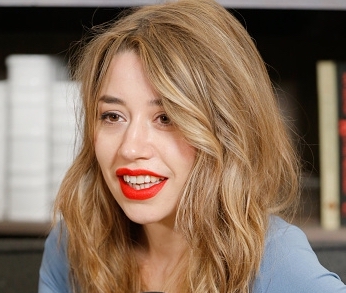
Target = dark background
(290,41)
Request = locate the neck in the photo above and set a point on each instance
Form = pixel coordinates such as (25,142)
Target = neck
(162,241)
(161,255)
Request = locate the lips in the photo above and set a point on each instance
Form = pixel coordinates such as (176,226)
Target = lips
(139,184)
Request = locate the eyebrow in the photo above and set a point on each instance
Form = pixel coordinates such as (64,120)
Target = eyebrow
(114,100)
(111,100)
(156,102)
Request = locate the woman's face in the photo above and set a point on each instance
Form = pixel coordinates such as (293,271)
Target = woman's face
(144,159)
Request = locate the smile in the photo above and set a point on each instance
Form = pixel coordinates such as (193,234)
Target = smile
(142,181)
(139,184)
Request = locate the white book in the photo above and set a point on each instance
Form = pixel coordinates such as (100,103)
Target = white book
(3,111)
(329,144)
(31,70)
(29,195)
(65,95)
(30,78)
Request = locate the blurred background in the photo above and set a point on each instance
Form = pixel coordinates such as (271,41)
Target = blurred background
(291,37)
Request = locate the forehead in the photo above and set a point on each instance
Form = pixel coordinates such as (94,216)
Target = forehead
(125,74)
(125,66)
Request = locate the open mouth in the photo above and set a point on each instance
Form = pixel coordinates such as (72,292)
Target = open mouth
(140,184)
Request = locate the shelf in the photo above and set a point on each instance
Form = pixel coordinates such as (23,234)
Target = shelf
(319,237)
(260,4)
(23,229)
(22,245)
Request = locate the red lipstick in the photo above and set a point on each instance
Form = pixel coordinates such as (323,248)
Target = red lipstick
(141,194)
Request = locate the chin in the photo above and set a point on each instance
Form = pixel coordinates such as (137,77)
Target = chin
(144,220)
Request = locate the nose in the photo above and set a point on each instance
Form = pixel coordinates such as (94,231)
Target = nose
(136,141)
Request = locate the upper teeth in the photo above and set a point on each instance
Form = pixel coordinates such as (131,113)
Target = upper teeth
(140,179)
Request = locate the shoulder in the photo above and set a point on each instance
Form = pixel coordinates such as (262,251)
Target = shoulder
(289,264)
(54,270)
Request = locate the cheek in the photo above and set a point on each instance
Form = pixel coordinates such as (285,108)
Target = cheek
(103,149)
(187,154)
(190,154)
(97,146)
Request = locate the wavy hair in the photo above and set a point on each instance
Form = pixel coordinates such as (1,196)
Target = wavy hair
(215,88)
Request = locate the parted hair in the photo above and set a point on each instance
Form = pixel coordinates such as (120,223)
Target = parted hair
(215,88)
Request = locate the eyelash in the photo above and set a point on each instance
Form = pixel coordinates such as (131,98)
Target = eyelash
(105,117)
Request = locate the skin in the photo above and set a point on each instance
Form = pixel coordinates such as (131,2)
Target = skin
(134,133)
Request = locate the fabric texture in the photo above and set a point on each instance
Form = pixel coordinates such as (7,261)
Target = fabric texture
(289,264)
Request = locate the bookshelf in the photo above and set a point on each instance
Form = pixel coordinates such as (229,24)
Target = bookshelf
(291,36)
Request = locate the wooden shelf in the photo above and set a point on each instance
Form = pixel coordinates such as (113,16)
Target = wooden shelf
(319,237)
(23,229)
(253,4)
(21,245)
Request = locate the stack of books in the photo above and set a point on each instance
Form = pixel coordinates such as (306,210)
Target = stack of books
(3,106)
(331,86)
(33,143)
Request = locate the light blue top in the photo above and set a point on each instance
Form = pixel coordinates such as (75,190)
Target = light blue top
(289,265)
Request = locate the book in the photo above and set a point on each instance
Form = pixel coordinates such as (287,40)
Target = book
(3,102)
(341,76)
(327,91)
(65,95)
(30,79)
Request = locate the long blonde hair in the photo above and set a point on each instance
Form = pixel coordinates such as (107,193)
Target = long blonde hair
(215,88)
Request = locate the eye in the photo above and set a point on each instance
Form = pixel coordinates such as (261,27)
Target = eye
(164,119)
(111,117)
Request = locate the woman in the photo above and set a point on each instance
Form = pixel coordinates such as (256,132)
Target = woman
(184,167)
